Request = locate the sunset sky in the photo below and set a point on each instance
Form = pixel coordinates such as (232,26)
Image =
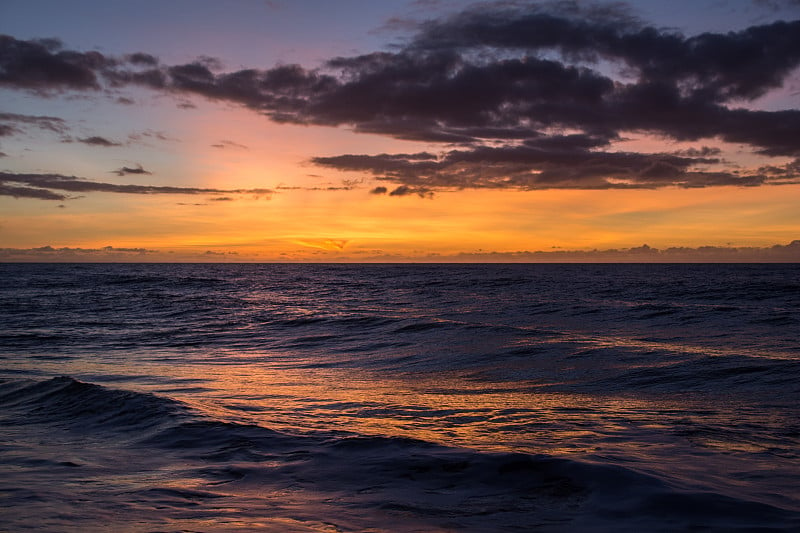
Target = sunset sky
(400,130)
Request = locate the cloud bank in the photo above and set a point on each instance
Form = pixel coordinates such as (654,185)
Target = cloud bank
(516,95)
(333,250)
(56,187)
(789,253)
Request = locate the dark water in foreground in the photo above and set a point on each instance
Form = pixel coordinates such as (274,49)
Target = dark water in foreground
(399,398)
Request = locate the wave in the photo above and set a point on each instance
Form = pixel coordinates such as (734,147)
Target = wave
(366,482)
(730,373)
(471,490)
(68,402)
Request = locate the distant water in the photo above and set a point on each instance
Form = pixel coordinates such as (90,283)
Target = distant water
(399,397)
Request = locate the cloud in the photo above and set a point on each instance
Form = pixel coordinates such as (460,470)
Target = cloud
(405,190)
(229,144)
(150,134)
(45,187)
(73,254)
(142,59)
(434,90)
(99,141)
(53,124)
(703,151)
(218,255)
(324,244)
(712,66)
(516,95)
(789,253)
(536,166)
(45,67)
(123,171)
(50,253)
(9,188)
(41,65)
(779,253)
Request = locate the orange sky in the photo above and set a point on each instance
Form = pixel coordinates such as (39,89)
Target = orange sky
(267,200)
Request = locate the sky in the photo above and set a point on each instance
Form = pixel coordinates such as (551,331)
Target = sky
(400,130)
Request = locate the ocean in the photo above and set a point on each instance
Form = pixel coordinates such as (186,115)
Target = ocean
(394,398)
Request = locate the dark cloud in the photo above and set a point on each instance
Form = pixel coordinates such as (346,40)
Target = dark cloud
(154,78)
(229,144)
(138,169)
(779,253)
(53,124)
(160,135)
(703,151)
(556,163)
(330,188)
(99,141)
(475,78)
(10,188)
(150,134)
(45,187)
(405,190)
(42,65)
(68,253)
(142,59)
(734,64)
(519,95)
(789,253)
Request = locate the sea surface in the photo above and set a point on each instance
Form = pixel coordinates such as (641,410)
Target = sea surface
(165,397)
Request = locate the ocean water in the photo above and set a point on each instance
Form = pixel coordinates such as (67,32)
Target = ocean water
(399,397)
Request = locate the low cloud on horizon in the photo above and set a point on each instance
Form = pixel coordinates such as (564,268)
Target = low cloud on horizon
(334,251)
